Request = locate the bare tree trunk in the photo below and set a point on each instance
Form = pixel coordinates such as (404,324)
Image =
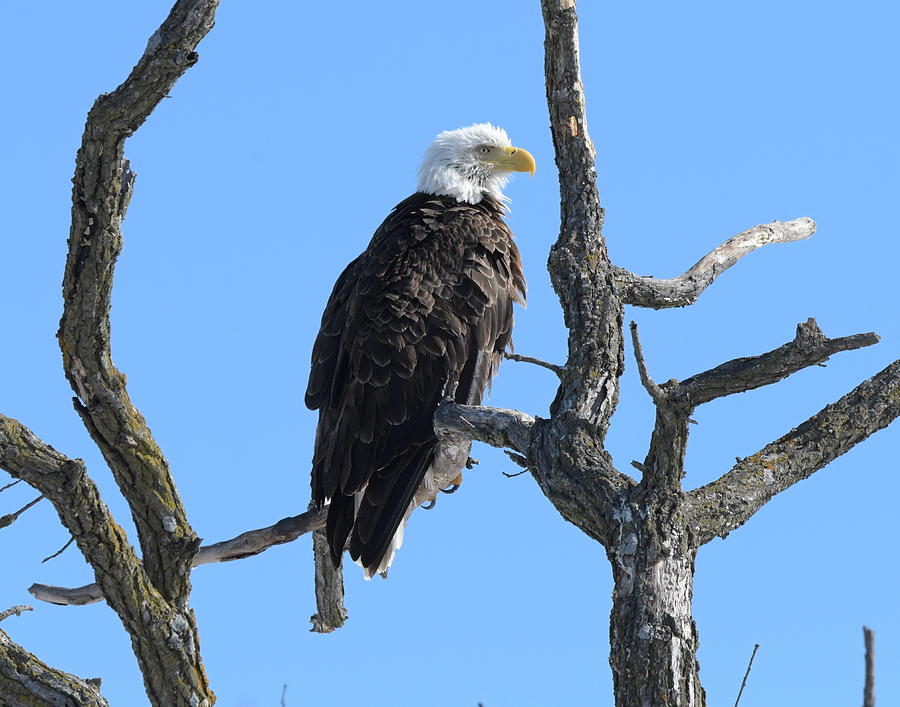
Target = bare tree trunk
(652,635)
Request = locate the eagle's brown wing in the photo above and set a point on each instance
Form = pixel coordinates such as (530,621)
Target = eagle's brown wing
(422,315)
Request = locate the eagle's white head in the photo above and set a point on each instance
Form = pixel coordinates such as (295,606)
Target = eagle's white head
(470,162)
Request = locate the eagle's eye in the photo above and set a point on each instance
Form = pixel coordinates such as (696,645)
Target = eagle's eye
(484,150)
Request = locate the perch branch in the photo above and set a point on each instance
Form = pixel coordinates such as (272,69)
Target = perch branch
(718,508)
(494,426)
(685,289)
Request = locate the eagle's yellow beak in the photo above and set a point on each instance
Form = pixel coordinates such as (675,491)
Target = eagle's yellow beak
(516,159)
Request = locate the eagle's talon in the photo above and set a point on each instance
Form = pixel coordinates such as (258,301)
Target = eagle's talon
(454,484)
(431,504)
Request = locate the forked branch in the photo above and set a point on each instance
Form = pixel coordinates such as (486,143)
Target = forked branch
(809,348)
(718,508)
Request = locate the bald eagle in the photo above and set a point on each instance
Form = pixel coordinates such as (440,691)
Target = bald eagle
(422,316)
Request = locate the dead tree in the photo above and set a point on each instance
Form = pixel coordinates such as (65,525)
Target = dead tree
(651,529)
(150,594)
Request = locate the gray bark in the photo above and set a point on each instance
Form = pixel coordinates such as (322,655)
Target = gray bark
(26,680)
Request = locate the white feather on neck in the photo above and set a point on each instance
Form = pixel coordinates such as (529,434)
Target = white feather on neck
(450,166)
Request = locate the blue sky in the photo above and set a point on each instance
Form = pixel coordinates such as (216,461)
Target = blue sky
(267,170)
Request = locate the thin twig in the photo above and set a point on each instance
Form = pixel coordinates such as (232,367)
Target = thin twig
(513,475)
(15,610)
(746,675)
(9,486)
(655,391)
(283,693)
(10,518)
(60,551)
(558,370)
(869,690)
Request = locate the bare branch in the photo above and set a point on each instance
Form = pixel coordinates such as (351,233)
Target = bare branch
(330,611)
(718,508)
(26,680)
(746,675)
(15,611)
(494,426)
(869,689)
(685,289)
(244,545)
(160,627)
(74,496)
(10,485)
(60,551)
(652,388)
(558,370)
(254,542)
(809,347)
(63,596)
(103,184)
(664,466)
(10,518)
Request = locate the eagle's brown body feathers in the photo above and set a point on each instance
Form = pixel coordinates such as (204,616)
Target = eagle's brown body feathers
(422,315)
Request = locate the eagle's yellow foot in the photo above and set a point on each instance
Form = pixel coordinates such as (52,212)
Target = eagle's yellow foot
(455,484)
